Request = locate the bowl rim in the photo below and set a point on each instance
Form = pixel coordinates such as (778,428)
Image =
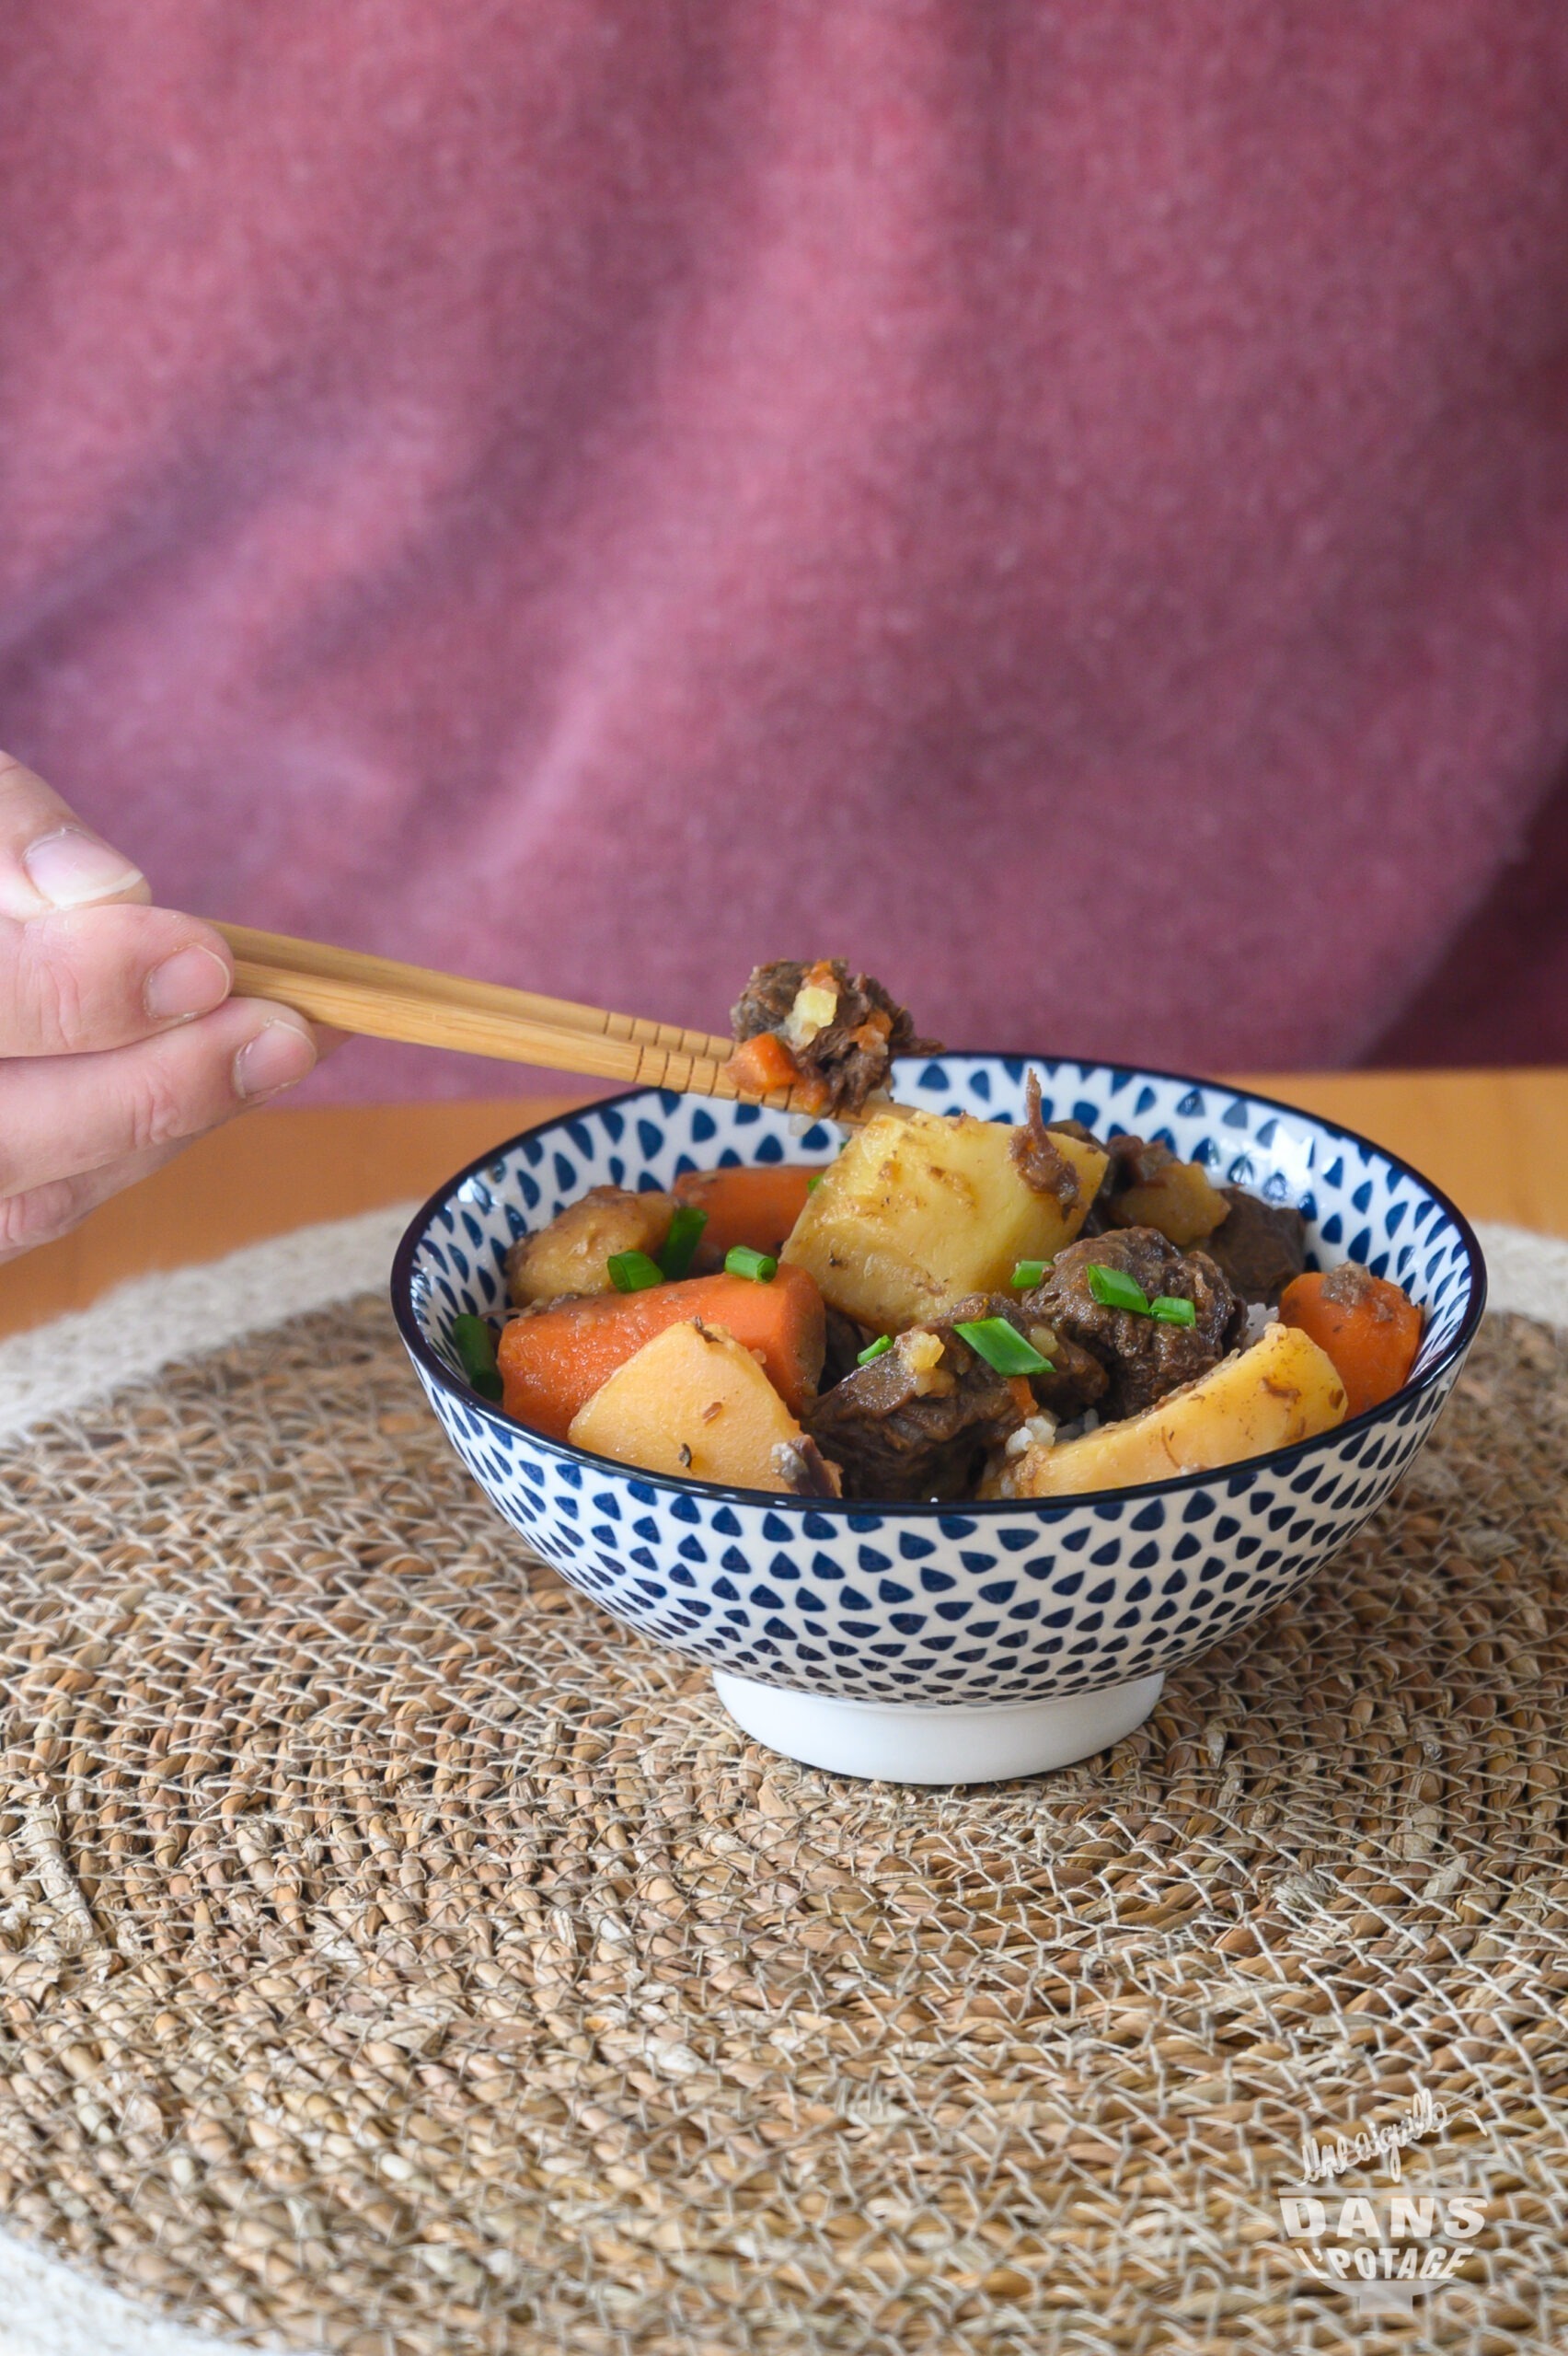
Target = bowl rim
(1045,1509)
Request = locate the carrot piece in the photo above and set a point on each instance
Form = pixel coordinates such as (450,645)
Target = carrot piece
(1370,1329)
(763,1062)
(756,1206)
(551,1363)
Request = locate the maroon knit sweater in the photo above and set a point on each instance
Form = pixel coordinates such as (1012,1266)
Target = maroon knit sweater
(1065,506)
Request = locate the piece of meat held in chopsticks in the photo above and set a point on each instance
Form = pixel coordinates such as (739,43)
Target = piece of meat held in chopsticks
(828,1033)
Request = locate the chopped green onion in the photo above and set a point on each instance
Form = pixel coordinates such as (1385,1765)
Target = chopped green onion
(633,1271)
(475,1344)
(1003,1346)
(812,1183)
(740,1259)
(1111,1290)
(877,1350)
(680,1245)
(1027,1274)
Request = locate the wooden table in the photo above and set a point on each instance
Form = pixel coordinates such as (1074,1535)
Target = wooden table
(1497,1141)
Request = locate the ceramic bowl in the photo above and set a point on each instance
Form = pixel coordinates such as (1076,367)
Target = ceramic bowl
(943,1643)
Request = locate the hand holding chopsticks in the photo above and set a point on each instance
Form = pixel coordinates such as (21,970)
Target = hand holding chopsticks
(380,998)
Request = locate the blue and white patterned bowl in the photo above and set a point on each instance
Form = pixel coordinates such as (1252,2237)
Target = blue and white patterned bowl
(943,1643)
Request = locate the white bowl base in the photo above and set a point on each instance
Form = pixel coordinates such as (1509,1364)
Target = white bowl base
(911,1743)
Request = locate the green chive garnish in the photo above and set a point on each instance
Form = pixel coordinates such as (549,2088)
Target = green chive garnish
(1111,1290)
(475,1344)
(633,1271)
(812,1183)
(1115,1290)
(1003,1346)
(1027,1274)
(740,1259)
(680,1245)
(877,1350)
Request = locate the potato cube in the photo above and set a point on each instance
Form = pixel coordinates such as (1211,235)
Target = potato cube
(572,1255)
(690,1401)
(1254,1401)
(1178,1199)
(922,1209)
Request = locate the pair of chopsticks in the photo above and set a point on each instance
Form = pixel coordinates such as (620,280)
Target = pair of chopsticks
(380,998)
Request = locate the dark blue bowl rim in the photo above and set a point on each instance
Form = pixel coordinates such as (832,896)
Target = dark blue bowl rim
(1044,1509)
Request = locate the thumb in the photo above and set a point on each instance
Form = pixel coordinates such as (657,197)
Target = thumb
(49,859)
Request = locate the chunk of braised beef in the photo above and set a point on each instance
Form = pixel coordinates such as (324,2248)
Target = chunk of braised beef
(917,1422)
(765,1003)
(1143,1357)
(1134,1162)
(846,1340)
(1129,1162)
(848,1056)
(804,1470)
(1077,1378)
(1259,1247)
(1144,1166)
(1038,1159)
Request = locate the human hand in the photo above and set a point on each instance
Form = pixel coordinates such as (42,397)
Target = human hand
(119,1040)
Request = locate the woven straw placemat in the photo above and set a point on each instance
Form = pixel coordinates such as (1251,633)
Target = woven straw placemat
(398,1957)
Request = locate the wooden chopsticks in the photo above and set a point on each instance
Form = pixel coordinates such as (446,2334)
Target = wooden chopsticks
(380,998)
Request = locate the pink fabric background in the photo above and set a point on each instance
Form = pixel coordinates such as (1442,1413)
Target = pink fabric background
(1065,506)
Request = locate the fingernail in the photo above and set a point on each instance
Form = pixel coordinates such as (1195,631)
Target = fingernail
(190,982)
(69,869)
(274,1058)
